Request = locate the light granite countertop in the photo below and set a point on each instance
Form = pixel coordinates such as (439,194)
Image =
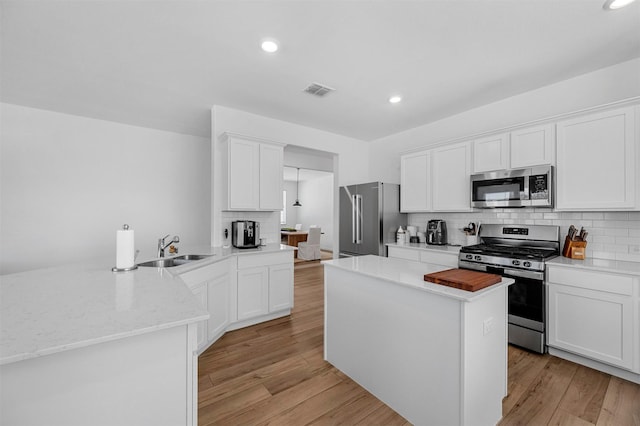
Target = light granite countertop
(603,265)
(408,273)
(51,310)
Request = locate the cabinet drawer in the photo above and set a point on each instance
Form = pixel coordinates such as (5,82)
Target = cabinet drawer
(600,281)
(401,253)
(264,259)
(446,259)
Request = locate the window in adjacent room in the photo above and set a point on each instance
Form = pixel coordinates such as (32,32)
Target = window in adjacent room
(283,213)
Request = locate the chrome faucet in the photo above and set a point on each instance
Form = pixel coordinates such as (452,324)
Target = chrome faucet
(162,245)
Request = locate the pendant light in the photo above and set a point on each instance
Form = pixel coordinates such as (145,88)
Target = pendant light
(297,203)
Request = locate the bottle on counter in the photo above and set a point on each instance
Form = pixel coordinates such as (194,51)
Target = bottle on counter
(401,236)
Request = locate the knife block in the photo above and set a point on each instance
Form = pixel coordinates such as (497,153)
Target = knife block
(574,249)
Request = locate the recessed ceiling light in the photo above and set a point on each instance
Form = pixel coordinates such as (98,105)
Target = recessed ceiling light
(395,99)
(616,4)
(269,46)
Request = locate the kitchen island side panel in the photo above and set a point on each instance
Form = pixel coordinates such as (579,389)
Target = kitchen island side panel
(402,345)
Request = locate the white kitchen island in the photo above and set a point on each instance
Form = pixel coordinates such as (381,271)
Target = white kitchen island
(81,345)
(435,354)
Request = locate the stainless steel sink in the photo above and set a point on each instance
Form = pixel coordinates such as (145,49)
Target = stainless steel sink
(161,263)
(192,257)
(174,261)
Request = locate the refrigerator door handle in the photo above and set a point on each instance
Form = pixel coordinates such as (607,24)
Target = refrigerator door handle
(353,219)
(358,205)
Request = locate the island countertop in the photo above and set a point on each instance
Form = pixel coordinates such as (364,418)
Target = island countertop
(410,274)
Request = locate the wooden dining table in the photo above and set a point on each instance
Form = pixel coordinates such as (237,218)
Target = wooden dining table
(292,238)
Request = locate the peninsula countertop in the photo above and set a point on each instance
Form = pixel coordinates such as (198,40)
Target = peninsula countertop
(51,310)
(410,274)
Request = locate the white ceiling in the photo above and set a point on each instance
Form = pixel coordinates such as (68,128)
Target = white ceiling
(163,64)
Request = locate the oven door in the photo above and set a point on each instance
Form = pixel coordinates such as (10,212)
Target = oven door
(526,305)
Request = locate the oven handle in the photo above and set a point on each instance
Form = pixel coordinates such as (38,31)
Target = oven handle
(534,275)
(518,273)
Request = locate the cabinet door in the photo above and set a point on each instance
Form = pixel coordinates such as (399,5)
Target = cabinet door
(450,178)
(271,168)
(253,292)
(533,146)
(200,291)
(414,182)
(491,153)
(280,287)
(218,300)
(592,323)
(403,253)
(596,161)
(243,174)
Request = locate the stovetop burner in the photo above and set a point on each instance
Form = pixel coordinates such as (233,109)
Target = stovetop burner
(512,252)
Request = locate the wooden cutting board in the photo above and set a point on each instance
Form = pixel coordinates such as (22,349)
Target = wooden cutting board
(463,279)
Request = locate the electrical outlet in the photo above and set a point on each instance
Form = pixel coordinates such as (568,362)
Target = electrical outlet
(487,326)
(634,249)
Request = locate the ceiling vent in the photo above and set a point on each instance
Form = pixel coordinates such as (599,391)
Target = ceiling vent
(318,89)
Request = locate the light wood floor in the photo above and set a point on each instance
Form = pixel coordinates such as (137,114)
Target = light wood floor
(274,374)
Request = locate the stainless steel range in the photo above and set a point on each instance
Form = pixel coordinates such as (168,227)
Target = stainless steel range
(518,252)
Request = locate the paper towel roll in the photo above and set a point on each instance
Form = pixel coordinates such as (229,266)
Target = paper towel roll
(125,250)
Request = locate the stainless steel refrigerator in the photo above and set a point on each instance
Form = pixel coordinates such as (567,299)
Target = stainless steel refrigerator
(369,218)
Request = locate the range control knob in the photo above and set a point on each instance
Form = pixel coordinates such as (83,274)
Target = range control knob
(527,264)
(478,258)
(469,257)
(515,262)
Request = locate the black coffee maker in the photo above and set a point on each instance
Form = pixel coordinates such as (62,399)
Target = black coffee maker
(437,232)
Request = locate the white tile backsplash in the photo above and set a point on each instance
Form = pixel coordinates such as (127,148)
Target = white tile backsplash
(612,235)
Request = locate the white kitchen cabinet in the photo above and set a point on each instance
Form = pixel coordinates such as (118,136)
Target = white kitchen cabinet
(451,165)
(591,314)
(491,153)
(597,161)
(253,292)
(415,180)
(264,287)
(253,171)
(211,284)
(446,258)
(200,291)
(532,146)
(280,287)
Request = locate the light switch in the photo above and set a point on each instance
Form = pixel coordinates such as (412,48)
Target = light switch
(488,326)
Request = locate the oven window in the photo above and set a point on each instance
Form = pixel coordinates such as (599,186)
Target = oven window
(526,299)
(498,189)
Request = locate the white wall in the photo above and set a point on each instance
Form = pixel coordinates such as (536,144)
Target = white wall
(68,182)
(589,90)
(292,212)
(352,159)
(317,208)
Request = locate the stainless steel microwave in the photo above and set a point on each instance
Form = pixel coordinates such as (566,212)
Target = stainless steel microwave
(530,187)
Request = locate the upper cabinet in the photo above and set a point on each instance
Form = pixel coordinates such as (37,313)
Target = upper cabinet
(450,177)
(436,179)
(253,171)
(597,161)
(533,146)
(415,178)
(491,153)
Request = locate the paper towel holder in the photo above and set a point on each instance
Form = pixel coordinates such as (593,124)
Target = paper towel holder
(132,268)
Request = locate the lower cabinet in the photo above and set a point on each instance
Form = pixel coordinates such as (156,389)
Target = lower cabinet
(265,285)
(591,314)
(211,284)
(433,256)
(241,291)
